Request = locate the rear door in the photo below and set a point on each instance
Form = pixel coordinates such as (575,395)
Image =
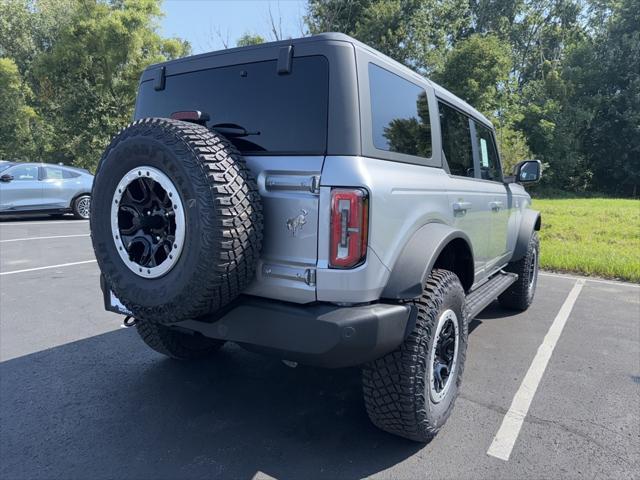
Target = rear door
(24,192)
(278,121)
(468,197)
(500,201)
(55,192)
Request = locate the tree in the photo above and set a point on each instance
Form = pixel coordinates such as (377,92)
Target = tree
(414,32)
(477,70)
(16,117)
(82,60)
(603,74)
(249,39)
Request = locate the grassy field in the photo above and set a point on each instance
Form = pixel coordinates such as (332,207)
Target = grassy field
(594,236)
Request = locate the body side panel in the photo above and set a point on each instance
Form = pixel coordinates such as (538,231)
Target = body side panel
(403,198)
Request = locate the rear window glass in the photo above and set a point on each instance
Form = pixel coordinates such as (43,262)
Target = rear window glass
(399,114)
(280,114)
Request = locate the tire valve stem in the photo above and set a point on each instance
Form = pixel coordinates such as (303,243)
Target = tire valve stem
(129,321)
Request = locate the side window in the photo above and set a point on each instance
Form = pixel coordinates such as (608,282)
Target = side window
(399,114)
(24,172)
(52,173)
(488,153)
(456,141)
(68,174)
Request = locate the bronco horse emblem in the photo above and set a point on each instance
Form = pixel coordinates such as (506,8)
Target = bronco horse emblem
(296,223)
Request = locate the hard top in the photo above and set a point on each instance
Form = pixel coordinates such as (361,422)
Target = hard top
(440,92)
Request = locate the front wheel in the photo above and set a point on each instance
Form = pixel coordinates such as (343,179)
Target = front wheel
(411,391)
(519,295)
(82,206)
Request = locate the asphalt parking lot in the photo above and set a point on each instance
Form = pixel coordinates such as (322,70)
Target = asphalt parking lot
(81,397)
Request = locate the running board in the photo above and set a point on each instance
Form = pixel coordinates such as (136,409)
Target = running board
(486,293)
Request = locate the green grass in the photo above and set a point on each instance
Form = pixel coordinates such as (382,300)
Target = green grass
(591,236)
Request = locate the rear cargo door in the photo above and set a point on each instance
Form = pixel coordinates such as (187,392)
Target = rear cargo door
(290,196)
(277,118)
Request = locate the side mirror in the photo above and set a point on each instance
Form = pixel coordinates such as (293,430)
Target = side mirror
(6,178)
(528,171)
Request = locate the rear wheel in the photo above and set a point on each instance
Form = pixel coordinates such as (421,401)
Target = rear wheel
(411,391)
(177,344)
(519,295)
(82,207)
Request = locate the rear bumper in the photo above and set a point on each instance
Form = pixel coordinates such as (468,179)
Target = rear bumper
(321,335)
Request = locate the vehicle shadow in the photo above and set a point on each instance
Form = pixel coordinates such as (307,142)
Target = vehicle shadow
(108,407)
(492,312)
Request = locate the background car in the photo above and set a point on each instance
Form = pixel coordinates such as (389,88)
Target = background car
(44,188)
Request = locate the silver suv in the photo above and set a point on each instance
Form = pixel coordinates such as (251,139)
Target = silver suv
(314,200)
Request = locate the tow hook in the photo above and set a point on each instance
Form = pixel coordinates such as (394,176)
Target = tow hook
(129,321)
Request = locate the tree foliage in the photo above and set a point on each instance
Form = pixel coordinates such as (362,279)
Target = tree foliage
(78,63)
(559,78)
(249,39)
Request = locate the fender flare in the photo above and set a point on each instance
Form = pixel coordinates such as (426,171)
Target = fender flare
(531,221)
(418,257)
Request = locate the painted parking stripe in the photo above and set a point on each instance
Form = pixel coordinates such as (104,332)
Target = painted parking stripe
(43,238)
(61,265)
(21,224)
(507,435)
(615,283)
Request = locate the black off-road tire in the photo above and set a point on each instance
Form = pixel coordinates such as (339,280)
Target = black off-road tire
(222,216)
(519,295)
(79,208)
(176,344)
(396,387)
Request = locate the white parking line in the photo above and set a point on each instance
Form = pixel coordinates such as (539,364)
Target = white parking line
(21,224)
(615,283)
(43,238)
(47,267)
(507,435)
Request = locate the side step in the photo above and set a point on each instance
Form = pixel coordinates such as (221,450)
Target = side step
(486,293)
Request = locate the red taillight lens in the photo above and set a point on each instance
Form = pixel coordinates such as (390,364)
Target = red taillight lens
(349,227)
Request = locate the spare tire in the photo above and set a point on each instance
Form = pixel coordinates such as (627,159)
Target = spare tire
(176,220)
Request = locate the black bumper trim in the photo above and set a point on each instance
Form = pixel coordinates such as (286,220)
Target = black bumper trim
(320,334)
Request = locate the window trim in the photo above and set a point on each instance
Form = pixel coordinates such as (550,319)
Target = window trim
(422,89)
(474,156)
(495,144)
(474,148)
(363,59)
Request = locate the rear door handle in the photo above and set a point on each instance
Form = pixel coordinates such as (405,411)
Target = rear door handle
(495,206)
(461,207)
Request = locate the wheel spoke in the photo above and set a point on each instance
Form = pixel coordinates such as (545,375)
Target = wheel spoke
(146,223)
(444,355)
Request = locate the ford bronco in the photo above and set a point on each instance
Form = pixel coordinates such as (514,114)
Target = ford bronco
(314,200)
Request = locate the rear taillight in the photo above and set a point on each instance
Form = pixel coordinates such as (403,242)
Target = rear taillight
(349,227)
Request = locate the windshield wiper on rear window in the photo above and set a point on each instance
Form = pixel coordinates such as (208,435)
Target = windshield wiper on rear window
(232,130)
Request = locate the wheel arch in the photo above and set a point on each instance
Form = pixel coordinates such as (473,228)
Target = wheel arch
(434,245)
(78,195)
(531,221)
